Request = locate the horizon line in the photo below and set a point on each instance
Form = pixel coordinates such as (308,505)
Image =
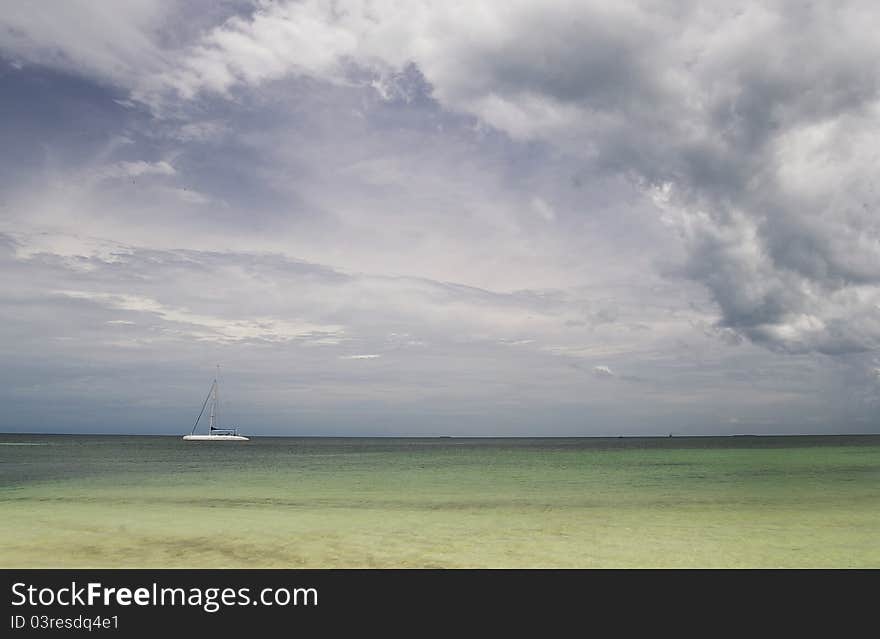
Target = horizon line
(667,436)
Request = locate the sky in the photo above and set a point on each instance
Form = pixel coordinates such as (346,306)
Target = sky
(440,218)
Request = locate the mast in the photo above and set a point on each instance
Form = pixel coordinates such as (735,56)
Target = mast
(213,415)
(202,412)
(215,404)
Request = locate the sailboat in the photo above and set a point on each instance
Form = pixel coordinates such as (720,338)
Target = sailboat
(216,433)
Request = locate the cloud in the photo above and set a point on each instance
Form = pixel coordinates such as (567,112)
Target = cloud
(765,154)
(495,195)
(543,209)
(191,196)
(133,169)
(181,321)
(86,36)
(370,356)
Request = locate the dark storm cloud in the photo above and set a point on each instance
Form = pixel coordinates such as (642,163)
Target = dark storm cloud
(718,123)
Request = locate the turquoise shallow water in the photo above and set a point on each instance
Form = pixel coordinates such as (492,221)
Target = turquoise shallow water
(335,502)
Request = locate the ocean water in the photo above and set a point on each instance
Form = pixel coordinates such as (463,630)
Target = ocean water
(96,501)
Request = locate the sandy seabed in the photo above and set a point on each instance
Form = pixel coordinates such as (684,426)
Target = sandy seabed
(119,501)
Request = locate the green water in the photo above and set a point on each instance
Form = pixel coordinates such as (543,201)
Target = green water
(94,501)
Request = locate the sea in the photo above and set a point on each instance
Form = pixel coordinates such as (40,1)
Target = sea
(295,502)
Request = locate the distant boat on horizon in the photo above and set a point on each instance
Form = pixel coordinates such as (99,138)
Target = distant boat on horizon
(216,433)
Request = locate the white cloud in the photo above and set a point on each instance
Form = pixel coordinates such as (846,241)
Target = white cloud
(133,169)
(191,196)
(109,41)
(210,328)
(603,372)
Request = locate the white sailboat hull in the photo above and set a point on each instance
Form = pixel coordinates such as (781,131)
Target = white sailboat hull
(215,438)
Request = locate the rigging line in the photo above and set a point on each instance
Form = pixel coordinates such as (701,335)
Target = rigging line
(202,411)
